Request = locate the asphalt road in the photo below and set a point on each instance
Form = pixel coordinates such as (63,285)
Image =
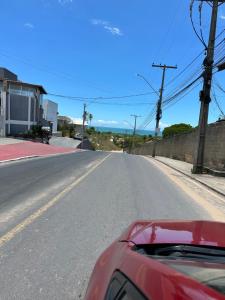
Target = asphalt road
(52,255)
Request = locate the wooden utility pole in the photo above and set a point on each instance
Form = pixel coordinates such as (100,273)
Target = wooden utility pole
(83,125)
(159,103)
(205,97)
(135,126)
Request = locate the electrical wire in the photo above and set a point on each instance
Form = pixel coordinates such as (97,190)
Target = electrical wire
(183,96)
(99,98)
(185,68)
(193,25)
(200,23)
(218,86)
(179,92)
(170,99)
(150,116)
(216,101)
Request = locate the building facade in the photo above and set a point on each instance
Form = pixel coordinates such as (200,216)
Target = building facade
(20,104)
(50,113)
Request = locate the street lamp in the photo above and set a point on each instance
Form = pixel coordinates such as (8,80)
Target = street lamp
(148,83)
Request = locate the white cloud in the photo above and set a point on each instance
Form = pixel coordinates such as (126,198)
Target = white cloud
(163,125)
(99,22)
(107,26)
(63,2)
(78,121)
(113,30)
(222,17)
(106,122)
(29,25)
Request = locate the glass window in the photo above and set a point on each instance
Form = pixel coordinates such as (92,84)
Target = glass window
(113,290)
(28,91)
(21,90)
(15,89)
(121,288)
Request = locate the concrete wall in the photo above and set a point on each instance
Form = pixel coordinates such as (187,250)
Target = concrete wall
(50,113)
(182,146)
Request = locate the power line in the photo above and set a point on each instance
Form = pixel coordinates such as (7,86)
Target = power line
(193,25)
(99,98)
(47,70)
(170,99)
(216,101)
(180,98)
(148,119)
(94,100)
(185,68)
(200,22)
(219,86)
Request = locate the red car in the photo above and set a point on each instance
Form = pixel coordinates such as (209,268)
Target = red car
(162,260)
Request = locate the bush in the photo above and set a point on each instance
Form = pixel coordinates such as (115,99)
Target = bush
(176,129)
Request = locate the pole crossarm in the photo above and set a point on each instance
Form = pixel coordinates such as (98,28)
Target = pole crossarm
(163,66)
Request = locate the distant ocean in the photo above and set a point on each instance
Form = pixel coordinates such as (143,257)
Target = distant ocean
(123,130)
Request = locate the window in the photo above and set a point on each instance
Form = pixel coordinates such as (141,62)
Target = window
(18,89)
(121,288)
(116,284)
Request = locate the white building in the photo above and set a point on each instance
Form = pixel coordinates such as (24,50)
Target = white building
(50,113)
(20,104)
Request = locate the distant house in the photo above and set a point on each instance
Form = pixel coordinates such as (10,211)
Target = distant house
(63,120)
(50,113)
(20,104)
(78,123)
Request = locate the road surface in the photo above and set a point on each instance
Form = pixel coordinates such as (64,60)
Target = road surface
(58,214)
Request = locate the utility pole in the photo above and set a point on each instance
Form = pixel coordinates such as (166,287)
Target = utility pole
(135,125)
(205,97)
(159,103)
(83,125)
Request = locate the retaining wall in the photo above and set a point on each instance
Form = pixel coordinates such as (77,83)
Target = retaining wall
(183,146)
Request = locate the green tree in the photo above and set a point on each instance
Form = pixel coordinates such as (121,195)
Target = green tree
(176,129)
(91,130)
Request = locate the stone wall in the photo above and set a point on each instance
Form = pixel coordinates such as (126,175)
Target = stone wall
(182,146)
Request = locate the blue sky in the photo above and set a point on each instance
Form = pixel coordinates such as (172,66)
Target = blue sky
(91,48)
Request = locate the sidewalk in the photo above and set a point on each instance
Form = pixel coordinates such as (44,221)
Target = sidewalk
(217,184)
(9,140)
(19,150)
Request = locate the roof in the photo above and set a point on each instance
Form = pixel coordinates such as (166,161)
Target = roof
(40,87)
(64,118)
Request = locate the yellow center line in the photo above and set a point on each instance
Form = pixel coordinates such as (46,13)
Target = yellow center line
(29,220)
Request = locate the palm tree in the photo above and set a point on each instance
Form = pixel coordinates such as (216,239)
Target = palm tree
(90,118)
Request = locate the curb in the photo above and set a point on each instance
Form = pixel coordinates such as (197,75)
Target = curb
(36,156)
(191,177)
(18,158)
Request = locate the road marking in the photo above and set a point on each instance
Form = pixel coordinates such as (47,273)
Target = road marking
(29,220)
(214,212)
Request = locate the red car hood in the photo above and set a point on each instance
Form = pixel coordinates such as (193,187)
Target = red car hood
(183,232)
